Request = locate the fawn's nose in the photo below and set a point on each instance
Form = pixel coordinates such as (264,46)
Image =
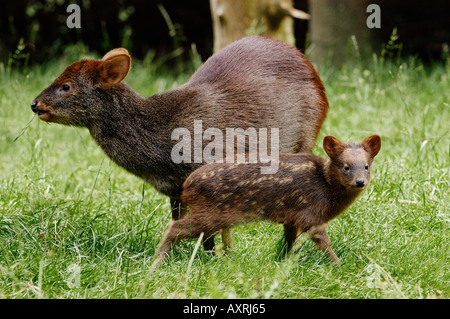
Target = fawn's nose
(360,182)
(34,106)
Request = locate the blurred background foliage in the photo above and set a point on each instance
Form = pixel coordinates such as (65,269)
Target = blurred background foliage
(36,31)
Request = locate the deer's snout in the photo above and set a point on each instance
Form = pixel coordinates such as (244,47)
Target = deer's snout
(360,182)
(34,105)
(42,110)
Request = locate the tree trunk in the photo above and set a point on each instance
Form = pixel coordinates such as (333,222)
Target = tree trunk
(235,19)
(331,27)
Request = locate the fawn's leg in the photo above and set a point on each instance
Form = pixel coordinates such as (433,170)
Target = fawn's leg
(179,211)
(175,231)
(319,236)
(191,227)
(227,240)
(165,245)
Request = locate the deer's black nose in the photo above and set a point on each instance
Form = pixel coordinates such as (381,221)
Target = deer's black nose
(34,106)
(360,182)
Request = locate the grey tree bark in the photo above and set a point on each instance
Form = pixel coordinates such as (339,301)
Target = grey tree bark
(335,25)
(235,19)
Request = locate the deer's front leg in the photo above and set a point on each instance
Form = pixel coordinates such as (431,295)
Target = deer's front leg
(320,237)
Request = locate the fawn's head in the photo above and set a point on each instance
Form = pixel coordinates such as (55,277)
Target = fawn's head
(351,163)
(76,96)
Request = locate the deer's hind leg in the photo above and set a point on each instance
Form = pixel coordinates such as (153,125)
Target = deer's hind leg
(192,226)
(290,235)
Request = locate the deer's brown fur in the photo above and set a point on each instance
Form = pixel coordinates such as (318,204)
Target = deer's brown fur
(254,82)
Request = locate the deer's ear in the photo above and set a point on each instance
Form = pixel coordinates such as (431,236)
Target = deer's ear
(372,144)
(332,145)
(114,67)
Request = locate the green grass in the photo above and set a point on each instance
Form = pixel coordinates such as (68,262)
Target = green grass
(74,225)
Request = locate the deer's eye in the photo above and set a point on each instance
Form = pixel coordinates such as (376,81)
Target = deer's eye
(367,167)
(65,87)
(346,168)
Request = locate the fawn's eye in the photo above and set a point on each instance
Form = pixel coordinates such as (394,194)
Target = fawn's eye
(66,87)
(346,168)
(367,167)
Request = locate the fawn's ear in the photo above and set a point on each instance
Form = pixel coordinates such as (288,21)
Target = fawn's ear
(114,67)
(372,144)
(332,145)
